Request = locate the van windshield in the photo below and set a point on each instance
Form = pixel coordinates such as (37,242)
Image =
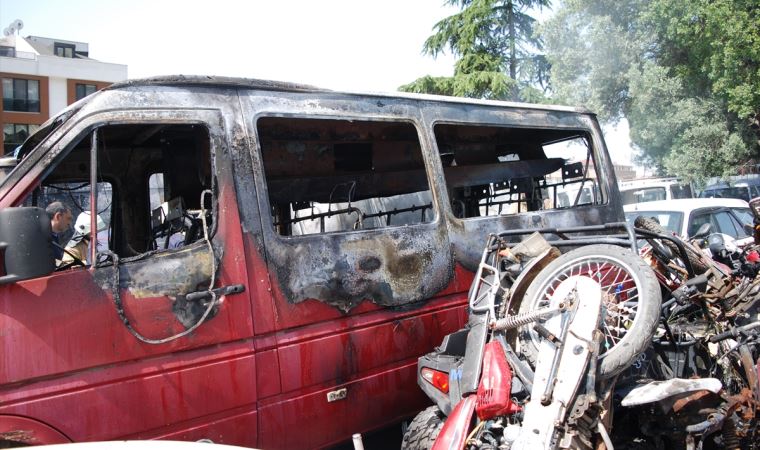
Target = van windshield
(11,161)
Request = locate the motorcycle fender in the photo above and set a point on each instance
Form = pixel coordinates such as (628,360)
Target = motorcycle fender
(656,391)
(457,426)
(536,265)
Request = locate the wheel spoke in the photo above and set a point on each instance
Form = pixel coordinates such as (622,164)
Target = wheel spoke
(620,295)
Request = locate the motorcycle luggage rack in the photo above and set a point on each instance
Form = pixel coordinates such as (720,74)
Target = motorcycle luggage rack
(487,274)
(625,240)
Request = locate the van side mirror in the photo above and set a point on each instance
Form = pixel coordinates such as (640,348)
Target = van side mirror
(25,244)
(703,231)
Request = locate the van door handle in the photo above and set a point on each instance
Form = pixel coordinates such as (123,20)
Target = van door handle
(224,290)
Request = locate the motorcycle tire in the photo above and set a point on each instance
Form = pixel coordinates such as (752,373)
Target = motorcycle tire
(423,429)
(649,224)
(630,293)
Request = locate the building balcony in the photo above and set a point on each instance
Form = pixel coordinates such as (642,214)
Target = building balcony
(10,52)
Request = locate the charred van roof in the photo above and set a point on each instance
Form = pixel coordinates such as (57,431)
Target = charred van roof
(269,85)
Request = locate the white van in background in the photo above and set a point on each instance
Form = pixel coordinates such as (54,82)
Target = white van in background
(653,189)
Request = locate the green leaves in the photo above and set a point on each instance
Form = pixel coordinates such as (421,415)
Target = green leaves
(685,73)
(496,49)
(488,85)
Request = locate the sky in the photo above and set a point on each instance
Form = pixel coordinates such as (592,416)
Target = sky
(337,44)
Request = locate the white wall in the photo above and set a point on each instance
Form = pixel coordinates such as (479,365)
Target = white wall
(58,94)
(82,69)
(54,66)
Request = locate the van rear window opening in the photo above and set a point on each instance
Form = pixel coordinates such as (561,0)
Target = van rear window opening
(492,170)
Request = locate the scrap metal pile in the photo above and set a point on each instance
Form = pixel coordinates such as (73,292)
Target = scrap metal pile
(633,339)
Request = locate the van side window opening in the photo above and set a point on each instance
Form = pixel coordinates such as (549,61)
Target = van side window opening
(152,178)
(337,175)
(491,171)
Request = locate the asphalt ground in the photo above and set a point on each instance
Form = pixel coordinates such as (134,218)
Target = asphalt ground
(384,439)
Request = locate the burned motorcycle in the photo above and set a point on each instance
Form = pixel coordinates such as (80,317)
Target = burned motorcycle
(546,336)
(697,386)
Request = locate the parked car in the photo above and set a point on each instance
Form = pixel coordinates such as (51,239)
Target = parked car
(278,255)
(743,187)
(653,189)
(684,217)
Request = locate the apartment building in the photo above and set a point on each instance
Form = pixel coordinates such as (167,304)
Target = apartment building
(41,76)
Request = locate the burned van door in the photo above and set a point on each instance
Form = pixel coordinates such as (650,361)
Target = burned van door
(71,338)
(356,251)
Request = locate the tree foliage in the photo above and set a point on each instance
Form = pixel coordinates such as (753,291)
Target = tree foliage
(496,50)
(685,73)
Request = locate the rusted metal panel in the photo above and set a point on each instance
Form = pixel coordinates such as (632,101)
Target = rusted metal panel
(21,431)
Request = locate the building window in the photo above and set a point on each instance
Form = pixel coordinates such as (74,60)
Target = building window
(64,50)
(7,51)
(21,95)
(14,134)
(83,90)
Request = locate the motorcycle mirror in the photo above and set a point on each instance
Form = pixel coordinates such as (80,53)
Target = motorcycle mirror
(703,231)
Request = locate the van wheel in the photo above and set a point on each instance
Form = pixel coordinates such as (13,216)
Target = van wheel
(630,295)
(423,430)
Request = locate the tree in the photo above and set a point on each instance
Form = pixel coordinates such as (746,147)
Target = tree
(714,45)
(685,73)
(496,50)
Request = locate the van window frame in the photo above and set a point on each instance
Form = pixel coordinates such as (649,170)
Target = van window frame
(588,133)
(266,213)
(80,129)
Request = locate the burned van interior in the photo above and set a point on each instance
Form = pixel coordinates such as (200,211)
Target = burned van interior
(149,183)
(491,170)
(337,175)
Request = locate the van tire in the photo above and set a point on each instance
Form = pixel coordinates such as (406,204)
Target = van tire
(639,333)
(423,430)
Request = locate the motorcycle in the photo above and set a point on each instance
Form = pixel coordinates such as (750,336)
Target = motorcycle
(547,335)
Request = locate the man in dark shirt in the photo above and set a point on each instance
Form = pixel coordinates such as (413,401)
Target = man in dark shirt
(60,221)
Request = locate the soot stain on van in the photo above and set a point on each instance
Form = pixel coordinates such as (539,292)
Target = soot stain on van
(386,270)
(171,274)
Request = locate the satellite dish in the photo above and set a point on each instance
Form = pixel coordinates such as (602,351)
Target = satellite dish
(18,24)
(8,31)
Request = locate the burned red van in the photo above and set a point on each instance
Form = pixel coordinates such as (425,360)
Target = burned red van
(264,262)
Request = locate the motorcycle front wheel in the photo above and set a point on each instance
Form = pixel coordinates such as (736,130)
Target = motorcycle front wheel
(631,302)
